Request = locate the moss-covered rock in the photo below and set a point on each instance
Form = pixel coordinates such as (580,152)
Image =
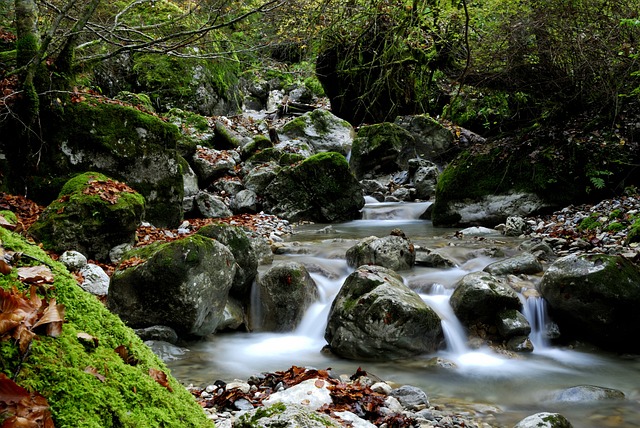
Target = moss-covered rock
(381,149)
(182,284)
(595,298)
(259,142)
(393,252)
(286,291)
(376,317)
(236,239)
(92,215)
(324,131)
(60,368)
(121,142)
(320,188)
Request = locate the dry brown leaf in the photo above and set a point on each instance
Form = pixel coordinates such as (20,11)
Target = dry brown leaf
(87,339)
(126,357)
(160,377)
(53,317)
(93,371)
(5,268)
(22,408)
(6,223)
(35,275)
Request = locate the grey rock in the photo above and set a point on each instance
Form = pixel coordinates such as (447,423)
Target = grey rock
(525,263)
(393,252)
(512,323)
(258,178)
(411,398)
(432,258)
(587,393)
(159,333)
(183,284)
(211,206)
(116,253)
(425,180)
(210,164)
(322,130)
(544,420)
(95,280)
(73,260)
(432,140)
(375,316)
(520,344)
(515,226)
(286,291)
(245,201)
(165,350)
(479,296)
(281,415)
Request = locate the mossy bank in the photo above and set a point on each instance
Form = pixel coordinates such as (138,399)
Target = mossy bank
(125,395)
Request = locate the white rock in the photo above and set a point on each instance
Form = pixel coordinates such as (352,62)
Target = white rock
(354,420)
(306,393)
(96,281)
(73,260)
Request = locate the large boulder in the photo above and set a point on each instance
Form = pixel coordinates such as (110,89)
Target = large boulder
(480,297)
(92,214)
(236,239)
(381,149)
(432,140)
(123,143)
(393,252)
(183,284)
(286,291)
(321,189)
(376,317)
(595,298)
(324,131)
(525,263)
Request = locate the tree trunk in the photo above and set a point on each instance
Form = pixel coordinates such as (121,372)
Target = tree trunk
(28,59)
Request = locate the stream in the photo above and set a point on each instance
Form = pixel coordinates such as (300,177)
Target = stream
(503,389)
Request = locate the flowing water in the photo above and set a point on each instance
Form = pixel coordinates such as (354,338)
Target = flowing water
(502,389)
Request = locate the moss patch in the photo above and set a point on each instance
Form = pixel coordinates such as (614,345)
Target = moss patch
(55,367)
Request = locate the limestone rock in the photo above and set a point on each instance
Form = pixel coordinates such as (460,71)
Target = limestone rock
(183,284)
(525,263)
(324,131)
(376,317)
(393,252)
(544,420)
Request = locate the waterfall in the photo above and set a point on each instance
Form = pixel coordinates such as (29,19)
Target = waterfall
(535,311)
(454,333)
(393,210)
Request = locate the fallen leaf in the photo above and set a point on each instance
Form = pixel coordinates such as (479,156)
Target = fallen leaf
(5,268)
(87,339)
(35,275)
(6,224)
(53,317)
(160,377)
(124,354)
(93,371)
(21,408)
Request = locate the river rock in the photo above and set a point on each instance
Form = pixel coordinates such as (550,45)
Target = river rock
(190,186)
(324,131)
(73,260)
(380,149)
(512,323)
(237,241)
(544,420)
(320,189)
(424,181)
(260,176)
(233,315)
(211,206)
(515,226)
(311,393)
(393,252)
(94,279)
(158,333)
(525,263)
(432,140)
(286,291)
(411,397)
(433,258)
(280,415)
(91,215)
(376,317)
(586,393)
(480,296)
(210,164)
(595,298)
(245,201)
(183,284)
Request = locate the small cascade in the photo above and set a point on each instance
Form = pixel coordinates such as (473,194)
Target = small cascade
(454,333)
(393,210)
(535,311)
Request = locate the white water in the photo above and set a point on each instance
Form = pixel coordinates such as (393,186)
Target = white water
(518,387)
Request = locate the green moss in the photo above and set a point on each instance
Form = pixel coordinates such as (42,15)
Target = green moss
(633,233)
(9,216)
(617,213)
(615,227)
(590,223)
(138,100)
(189,119)
(55,367)
(247,420)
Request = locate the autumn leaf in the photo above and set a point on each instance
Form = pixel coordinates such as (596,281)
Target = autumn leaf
(53,317)
(88,339)
(124,354)
(93,371)
(22,408)
(160,377)
(6,224)
(35,275)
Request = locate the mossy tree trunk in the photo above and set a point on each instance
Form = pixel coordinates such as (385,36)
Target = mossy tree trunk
(28,59)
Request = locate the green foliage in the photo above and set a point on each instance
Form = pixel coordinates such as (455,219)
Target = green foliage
(590,223)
